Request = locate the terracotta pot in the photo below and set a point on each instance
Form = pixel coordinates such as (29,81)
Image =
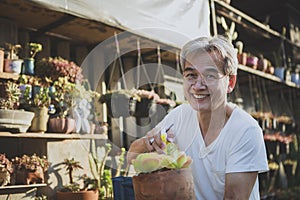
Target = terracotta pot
(164,185)
(61,125)
(270,70)
(26,177)
(242,58)
(82,195)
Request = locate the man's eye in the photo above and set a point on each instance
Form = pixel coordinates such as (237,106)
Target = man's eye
(211,76)
(190,75)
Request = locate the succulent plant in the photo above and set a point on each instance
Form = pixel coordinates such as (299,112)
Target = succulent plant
(5,170)
(172,159)
(30,162)
(58,67)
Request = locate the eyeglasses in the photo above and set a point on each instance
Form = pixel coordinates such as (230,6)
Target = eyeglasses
(209,77)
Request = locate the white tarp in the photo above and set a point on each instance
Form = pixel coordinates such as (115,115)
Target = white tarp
(189,18)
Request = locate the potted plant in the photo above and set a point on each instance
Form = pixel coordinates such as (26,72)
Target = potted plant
(12,63)
(30,169)
(28,66)
(141,105)
(117,102)
(82,109)
(73,190)
(10,118)
(242,56)
(58,67)
(61,94)
(6,170)
(159,175)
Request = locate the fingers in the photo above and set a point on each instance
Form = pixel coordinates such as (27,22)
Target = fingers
(153,141)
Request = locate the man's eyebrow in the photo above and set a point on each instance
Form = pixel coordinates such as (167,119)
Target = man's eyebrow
(189,69)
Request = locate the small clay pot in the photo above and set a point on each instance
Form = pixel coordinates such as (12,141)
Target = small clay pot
(242,58)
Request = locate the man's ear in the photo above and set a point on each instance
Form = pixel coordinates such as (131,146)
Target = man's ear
(232,82)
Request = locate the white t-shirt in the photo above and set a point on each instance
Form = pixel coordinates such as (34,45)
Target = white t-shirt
(238,148)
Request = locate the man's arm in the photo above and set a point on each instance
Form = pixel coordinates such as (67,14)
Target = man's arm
(239,185)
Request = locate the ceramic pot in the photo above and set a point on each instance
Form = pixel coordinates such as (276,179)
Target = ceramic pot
(242,58)
(81,195)
(295,77)
(28,66)
(40,119)
(279,72)
(61,125)
(164,185)
(16,66)
(262,64)
(15,120)
(252,62)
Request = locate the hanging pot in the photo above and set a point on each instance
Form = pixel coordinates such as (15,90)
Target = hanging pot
(140,109)
(118,104)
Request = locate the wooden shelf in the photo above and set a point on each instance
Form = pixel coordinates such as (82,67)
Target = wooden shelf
(267,76)
(54,136)
(22,186)
(5,75)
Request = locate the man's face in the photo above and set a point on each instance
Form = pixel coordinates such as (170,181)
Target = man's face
(205,84)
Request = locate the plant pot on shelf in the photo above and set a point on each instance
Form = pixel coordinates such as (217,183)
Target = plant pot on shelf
(242,58)
(252,61)
(40,119)
(270,69)
(164,185)
(279,72)
(61,125)
(81,195)
(15,120)
(262,64)
(26,176)
(28,66)
(13,66)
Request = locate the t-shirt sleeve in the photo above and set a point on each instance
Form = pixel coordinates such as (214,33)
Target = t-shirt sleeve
(248,153)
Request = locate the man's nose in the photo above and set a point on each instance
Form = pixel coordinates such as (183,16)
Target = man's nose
(200,81)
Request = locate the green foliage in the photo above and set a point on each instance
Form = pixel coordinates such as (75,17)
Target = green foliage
(34,48)
(12,96)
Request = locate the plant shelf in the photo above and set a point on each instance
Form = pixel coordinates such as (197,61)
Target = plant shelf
(54,135)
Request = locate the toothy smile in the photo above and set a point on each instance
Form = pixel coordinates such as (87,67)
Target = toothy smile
(200,96)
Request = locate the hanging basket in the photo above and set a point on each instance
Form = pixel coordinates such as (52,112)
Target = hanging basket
(140,109)
(118,104)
